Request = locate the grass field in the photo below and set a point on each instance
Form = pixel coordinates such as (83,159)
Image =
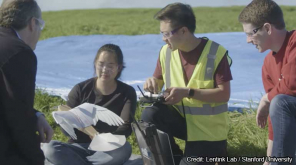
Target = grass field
(245,138)
(140,21)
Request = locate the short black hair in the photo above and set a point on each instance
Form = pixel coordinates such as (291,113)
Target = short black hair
(179,14)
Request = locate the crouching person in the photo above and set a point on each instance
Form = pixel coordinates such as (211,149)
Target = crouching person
(196,75)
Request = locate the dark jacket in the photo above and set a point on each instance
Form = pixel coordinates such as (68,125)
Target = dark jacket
(19,143)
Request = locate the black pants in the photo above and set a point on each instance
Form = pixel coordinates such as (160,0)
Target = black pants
(168,120)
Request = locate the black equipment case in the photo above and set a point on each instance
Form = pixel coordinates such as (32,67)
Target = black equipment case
(154,144)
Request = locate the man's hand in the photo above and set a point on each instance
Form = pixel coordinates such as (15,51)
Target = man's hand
(151,85)
(44,129)
(175,95)
(262,111)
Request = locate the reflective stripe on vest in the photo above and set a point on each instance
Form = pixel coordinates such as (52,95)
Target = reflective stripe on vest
(167,68)
(211,61)
(205,110)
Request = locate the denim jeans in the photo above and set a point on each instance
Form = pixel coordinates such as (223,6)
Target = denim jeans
(283,118)
(59,153)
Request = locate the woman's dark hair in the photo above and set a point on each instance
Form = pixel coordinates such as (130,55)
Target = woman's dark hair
(114,49)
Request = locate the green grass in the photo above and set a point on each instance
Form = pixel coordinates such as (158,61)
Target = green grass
(245,138)
(140,21)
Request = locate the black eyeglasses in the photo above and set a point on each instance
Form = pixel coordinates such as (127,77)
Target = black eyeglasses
(254,31)
(257,29)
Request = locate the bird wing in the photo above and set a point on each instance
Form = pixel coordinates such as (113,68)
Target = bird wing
(107,116)
(90,114)
(68,121)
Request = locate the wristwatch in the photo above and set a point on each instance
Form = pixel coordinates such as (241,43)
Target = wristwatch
(190,93)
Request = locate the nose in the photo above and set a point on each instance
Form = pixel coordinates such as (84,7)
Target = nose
(104,69)
(249,39)
(164,39)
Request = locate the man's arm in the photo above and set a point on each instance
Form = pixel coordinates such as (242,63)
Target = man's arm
(155,83)
(287,84)
(216,95)
(17,92)
(44,129)
(263,107)
(267,82)
(220,93)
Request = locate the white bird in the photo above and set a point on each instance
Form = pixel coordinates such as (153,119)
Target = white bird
(83,116)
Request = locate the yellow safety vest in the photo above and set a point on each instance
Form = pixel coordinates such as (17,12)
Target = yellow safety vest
(205,121)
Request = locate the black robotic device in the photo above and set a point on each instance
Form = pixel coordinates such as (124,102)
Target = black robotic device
(154,144)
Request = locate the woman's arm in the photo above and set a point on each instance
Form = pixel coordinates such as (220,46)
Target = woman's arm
(128,110)
(74,97)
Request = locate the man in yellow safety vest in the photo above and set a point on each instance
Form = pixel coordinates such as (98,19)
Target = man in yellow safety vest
(196,75)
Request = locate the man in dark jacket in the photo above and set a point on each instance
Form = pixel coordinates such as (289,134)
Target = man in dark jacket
(20,124)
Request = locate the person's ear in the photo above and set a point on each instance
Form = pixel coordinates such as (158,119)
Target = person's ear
(185,30)
(182,30)
(268,28)
(32,24)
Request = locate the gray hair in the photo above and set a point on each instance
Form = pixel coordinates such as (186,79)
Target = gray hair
(17,13)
